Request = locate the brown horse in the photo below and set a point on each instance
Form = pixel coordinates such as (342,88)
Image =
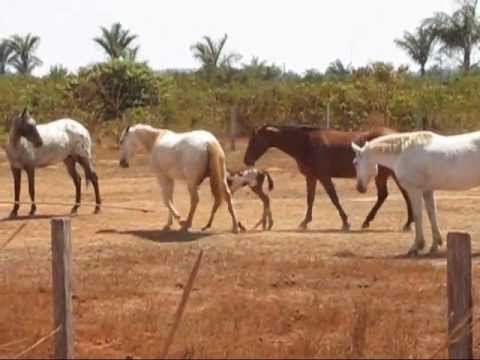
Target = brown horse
(323,155)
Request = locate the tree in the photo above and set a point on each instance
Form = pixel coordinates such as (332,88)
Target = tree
(109,89)
(117,41)
(210,55)
(5,55)
(57,72)
(338,69)
(24,59)
(459,32)
(419,46)
(257,69)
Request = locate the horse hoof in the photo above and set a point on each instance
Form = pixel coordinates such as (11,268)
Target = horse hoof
(235,230)
(302,227)
(13,215)
(241,227)
(166,228)
(270,226)
(97,210)
(406,228)
(206,227)
(433,250)
(346,227)
(412,253)
(365,225)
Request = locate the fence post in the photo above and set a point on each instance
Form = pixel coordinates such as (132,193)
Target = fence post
(61,281)
(233,127)
(327,117)
(459,287)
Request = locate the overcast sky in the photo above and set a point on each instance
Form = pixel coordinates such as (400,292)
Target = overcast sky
(301,34)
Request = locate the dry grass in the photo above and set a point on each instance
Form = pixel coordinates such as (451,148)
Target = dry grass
(280,294)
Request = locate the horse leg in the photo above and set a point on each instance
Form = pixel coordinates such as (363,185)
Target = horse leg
(311,187)
(31,189)
(91,176)
(194,199)
(430,205)
(167,186)
(17,180)
(330,189)
(77,181)
(231,210)
(382,194)
(406,227)
(416,200)
(215,207)
(266,216)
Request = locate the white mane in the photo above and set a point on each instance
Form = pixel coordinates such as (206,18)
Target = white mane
(400,142)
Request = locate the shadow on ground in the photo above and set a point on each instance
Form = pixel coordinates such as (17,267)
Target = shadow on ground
(160,236)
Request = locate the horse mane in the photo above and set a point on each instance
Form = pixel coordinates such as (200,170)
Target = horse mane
(400,142)
(306,128)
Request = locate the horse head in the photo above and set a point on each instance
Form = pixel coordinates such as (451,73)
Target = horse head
(364,167)
(26,126)
(127,147)
(260,141)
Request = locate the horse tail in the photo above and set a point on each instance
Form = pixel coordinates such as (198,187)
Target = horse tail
(269,179)
(217,170)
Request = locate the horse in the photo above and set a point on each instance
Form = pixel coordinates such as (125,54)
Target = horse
(423,162)
(254,179)
(32,146)
(190,157)
(322,155)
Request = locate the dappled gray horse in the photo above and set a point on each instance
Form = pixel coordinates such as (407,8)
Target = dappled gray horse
(30,146)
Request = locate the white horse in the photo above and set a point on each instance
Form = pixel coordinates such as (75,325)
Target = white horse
(191,157)
(30,146)
(423,162)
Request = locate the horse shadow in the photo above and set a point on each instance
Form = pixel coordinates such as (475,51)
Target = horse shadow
(160,236)
(421,257)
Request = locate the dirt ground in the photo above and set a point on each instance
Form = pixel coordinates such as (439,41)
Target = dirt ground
(281,293)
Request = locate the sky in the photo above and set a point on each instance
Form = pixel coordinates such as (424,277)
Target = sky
(299,35)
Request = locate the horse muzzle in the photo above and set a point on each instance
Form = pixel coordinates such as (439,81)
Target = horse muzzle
(361,188)
(38,143)
(124,163)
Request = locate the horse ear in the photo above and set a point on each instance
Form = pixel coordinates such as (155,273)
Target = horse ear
(356,148)
(24,113)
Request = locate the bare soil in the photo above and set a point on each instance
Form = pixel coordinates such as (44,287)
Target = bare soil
(281,293)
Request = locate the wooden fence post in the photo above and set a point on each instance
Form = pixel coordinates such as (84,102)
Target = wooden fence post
(459,287)
(327,117)
(61,280)
(233,127)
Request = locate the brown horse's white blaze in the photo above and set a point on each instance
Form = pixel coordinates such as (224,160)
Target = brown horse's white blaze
(189,157)
(254,179)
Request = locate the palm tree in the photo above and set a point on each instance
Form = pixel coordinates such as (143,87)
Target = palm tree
(459,32)
(116,42)
(210,54)
(419,46)
(338,69)
(57,72)
(24,59)
(5,55)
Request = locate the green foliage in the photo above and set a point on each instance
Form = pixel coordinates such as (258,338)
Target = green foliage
(109,89)
(116,42)
(418,46)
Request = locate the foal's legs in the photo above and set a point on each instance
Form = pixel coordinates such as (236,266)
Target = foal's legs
(167,186)
(430,205)
(31,189)
(382,194)
(416,200)
(77,181)
(311,187)
(330,189)
(17,180)
(194,199)
(267,214)
(91,176)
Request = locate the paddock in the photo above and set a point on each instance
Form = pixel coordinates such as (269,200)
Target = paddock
(281,293)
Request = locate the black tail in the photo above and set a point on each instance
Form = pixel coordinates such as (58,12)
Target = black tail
(269,179)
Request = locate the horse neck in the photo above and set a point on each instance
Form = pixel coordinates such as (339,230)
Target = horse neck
(147,136)
(290,142)
(13,136)
(384,158)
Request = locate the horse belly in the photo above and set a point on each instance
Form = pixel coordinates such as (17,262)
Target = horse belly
(456,173)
